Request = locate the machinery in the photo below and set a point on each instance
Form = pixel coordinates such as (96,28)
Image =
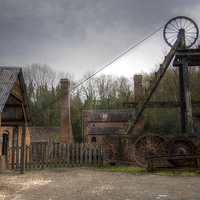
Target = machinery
(180,33)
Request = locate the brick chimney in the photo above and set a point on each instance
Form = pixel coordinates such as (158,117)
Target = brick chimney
(66,135)
(138,92)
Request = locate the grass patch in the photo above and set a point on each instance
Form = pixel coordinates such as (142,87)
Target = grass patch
(123,169)
(143,171)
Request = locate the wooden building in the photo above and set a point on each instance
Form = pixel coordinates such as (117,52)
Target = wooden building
(14,111)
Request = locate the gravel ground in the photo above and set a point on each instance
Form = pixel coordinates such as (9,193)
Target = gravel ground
(84,183)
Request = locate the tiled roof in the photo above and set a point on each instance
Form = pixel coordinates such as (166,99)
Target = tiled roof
(104,130)
(8,77)
(43,134)
(109,115)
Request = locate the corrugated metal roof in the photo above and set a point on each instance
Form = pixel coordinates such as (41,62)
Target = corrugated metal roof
(8,76)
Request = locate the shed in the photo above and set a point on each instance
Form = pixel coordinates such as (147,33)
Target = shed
(14,108)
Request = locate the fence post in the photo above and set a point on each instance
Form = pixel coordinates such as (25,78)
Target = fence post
(99,154)
(81,154)
(26,156)
(90,154)
(86,153)
(34,156)
(8,166)
(55,156)
(60,154)
(68,154)
(51,155)
(38,156)
(73,149)
(95,154)
(77,155)
(47,154)
(42,156)
(17,157)
(64,155)
(30,155)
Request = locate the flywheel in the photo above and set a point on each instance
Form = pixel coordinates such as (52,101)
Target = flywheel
(147,145)
(180,145)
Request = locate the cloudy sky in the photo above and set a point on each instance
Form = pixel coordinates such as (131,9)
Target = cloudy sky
(78,36)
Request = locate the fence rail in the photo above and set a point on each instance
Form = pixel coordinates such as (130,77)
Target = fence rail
(57,155)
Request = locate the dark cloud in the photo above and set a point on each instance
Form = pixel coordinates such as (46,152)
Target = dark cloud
(77,36)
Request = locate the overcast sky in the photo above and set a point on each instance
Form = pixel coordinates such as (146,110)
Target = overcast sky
(77,36)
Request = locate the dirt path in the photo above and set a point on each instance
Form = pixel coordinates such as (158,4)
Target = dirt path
(83,183)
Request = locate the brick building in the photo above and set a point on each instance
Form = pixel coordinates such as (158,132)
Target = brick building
(96,124)
(14,110)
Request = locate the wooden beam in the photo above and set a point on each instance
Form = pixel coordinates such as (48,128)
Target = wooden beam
(14,120)
(23,148)
(14,106)
(190,128)
(163,104)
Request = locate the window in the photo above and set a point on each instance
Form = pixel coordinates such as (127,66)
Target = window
(15,136)
(104,115)
(94,139)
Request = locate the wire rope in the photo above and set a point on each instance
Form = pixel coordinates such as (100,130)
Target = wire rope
(99,70)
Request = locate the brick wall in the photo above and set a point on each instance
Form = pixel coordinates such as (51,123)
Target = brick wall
(66,135)
(9,129)
(138,93)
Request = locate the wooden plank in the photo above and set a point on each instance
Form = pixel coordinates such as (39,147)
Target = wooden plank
(42,156)
(77,154)
(30,156)
(99,154)
(34,156)
(95,154)
(73,149)
(86,153)
(26,157)
(9,158)
(13,157)
(60,154)
(68,154)
(90,154)
(38,156)
(17,157)
(55,156)
(16,90)
(51,155)
(23,146)
(64,155)
(47,155)
(81,154)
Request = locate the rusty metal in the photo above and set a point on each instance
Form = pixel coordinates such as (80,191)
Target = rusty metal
(180,146)
(148,145)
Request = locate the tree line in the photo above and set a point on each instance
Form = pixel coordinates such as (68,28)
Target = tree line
(104,92)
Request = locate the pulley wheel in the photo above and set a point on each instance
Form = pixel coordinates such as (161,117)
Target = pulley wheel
(180,145)
(173,26)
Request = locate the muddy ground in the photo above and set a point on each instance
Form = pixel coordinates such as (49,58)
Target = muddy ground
(84,183)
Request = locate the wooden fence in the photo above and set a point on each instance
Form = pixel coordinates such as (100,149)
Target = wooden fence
(57,155)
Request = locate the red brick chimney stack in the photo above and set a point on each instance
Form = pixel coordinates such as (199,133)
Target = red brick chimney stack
(138,89)
(66,135)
